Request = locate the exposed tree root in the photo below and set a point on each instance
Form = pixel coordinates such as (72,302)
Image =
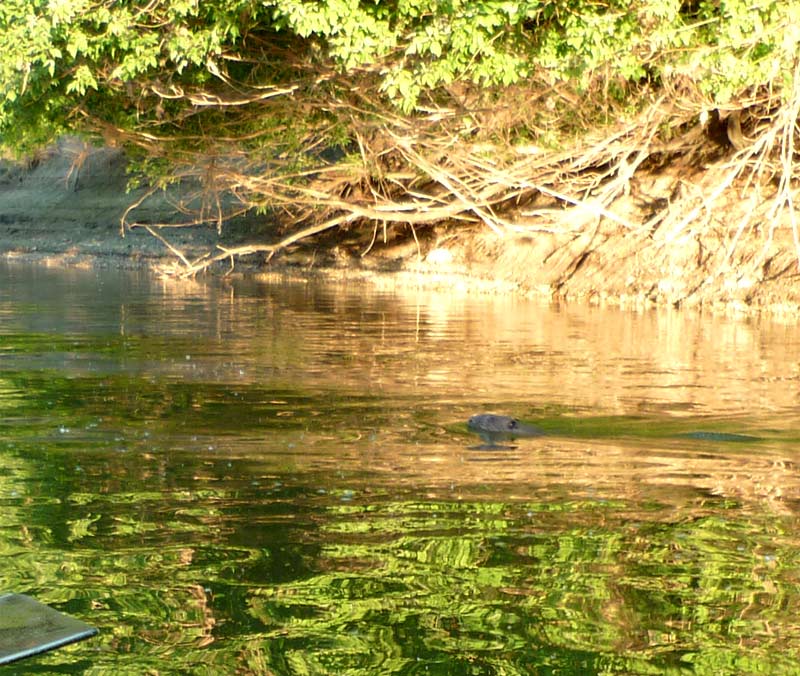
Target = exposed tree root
(663,176)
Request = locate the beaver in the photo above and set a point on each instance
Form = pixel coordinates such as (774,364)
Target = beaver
(493,428)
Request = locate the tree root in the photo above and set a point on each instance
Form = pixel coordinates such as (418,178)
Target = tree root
(435,174)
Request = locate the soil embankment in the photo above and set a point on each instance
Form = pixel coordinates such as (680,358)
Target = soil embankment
(67,203)
(66,206)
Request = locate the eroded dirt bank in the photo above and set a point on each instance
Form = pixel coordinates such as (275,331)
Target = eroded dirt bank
(65,208)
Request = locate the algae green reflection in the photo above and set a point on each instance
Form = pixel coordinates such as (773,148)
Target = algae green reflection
(278,479)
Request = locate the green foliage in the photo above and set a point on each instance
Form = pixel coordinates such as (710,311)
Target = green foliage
(75,64)
(747,45)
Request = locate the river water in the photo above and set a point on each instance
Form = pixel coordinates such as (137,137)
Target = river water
(241,477)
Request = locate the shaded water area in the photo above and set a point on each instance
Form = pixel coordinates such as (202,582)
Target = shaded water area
(234,477)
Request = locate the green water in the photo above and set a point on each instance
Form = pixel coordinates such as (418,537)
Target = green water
(232,477)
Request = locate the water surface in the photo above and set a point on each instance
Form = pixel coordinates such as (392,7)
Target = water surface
(228,476)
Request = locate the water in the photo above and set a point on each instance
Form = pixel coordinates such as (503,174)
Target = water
(248,478)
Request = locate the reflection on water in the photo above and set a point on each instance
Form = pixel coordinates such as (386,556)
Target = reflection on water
(237,477)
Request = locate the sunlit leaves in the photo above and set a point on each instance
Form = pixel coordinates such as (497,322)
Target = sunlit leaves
(67,60)
(82,80)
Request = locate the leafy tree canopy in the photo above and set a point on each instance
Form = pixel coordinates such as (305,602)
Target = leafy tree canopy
(155,66)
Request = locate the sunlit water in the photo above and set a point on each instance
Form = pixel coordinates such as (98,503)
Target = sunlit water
(231,477)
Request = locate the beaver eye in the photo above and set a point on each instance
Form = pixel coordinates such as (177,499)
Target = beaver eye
(512,424)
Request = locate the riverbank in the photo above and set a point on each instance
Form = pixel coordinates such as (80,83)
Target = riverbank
(65,208)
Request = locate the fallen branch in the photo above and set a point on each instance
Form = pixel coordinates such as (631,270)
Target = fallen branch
(191,269)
